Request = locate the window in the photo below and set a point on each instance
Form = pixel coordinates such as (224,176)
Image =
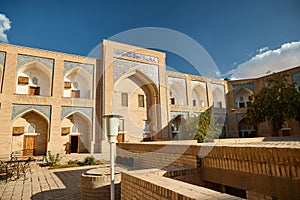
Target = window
(75,85)
(74,128)
(194,102)
(31,128)
(241,99)
(124,99)
(172,101)
(242,105)
(141,101)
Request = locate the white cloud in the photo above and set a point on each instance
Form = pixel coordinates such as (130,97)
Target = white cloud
(4,26)
(286,57)
(261,50)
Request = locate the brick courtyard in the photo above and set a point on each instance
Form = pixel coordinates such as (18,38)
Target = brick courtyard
(45,184)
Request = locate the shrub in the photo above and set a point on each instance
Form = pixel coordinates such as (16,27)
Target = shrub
(72,162)
(90,160)
(52,160)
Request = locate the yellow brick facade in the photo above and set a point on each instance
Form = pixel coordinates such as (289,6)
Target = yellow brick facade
(61,98)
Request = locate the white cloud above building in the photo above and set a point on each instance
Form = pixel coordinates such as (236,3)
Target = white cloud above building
(266,61)
(4,26)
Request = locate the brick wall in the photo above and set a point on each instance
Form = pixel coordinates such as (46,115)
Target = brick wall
(149,184)
(270,168)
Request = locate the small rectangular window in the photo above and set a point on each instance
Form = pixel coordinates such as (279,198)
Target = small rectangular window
(172,101)
(141,101)
(194,102)
(124,99)
(242,105)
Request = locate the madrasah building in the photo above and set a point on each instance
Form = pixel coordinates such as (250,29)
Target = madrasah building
(52,101)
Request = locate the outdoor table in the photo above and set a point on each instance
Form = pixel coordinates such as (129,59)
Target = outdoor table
(15,168)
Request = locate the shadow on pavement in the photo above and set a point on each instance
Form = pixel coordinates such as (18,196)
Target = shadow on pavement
(72,182)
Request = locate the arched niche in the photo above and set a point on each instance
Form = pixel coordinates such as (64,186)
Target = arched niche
(243,97)
(78,84)
(30,133)
(245,129)
(178,94)
(34,79)
(199,96)
(218,96)
(135,98)
(79,135)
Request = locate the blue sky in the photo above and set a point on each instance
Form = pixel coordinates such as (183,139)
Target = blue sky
(233,32)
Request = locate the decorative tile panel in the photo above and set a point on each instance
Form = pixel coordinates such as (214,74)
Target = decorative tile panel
(71,65)
(67,110)
(239,117)
(130,54)
(2,58)
(122,67)
(24,59)
(20,108)
(249,86)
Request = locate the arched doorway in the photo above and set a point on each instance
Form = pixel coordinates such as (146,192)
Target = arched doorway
(135,98)
(176,124)
(245,129)
(79,135)
(30,134)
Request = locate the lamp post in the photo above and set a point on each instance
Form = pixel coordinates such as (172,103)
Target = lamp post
(111,129)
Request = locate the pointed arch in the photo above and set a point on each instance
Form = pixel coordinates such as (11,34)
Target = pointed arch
(81,129)
(243,97)
(32,141)
(199,96)
(38,71)
(143,78)
(32,110)
(80,113)
(135,98)
(82,88)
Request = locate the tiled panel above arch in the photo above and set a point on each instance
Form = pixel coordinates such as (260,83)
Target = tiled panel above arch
(67,110)
(24,59)
(19,109)
(71,65)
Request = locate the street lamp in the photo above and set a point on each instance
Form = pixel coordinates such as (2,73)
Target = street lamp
(111,129)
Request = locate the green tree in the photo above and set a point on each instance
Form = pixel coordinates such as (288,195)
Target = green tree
(275,103)
(202,128)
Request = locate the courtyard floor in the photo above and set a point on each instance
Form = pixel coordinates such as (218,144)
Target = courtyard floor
(45,184)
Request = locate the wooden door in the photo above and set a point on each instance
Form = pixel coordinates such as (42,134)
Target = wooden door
(74,147)
(29,145)
(34,90)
